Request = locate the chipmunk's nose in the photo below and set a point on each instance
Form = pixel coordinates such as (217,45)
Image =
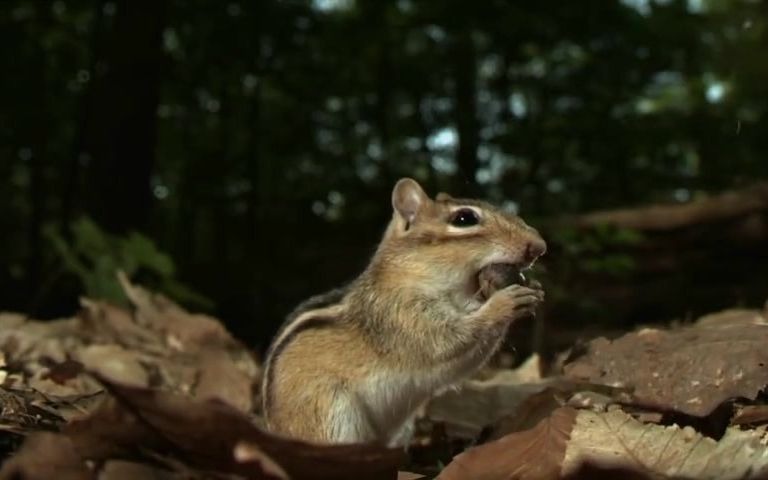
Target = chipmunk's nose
(535,248)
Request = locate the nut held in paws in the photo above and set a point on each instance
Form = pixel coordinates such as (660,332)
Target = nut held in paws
(497,276)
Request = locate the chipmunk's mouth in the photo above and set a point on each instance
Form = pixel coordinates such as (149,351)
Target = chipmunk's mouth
(496,276)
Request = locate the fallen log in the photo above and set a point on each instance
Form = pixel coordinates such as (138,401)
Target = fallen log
(686,259)
(722,207)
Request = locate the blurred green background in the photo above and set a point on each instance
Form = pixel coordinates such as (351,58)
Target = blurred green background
(238,155)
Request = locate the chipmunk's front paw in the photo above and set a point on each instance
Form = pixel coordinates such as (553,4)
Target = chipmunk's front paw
(511,303)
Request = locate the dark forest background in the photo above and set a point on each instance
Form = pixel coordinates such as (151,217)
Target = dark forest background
(239,155)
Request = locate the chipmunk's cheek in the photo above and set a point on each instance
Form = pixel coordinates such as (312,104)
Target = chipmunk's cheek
(473,288)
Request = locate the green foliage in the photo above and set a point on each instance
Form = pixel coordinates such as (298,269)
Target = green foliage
(95,256)
(592,250)
(284,123)
(601,250)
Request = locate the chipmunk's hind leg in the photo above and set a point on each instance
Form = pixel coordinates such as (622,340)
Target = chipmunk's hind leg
(350,420)
(402,436)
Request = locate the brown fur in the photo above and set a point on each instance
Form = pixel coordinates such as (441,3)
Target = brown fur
(410,321)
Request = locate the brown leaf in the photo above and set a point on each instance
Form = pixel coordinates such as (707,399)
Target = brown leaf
(114,431)
(28,339)
(559,392)
(183,330)
(25,411)
(158,344)
(221,379)
(110,431)
(208,434)
(750,415)
(10,320)
(246,452)
(479,403)
(46,456)
(691,370)
(81,385)
(115,362)
(113,324)
(591,471)
(535,454)
(616,440)
(122,470)
(530,412)
(62,372)
(409,476)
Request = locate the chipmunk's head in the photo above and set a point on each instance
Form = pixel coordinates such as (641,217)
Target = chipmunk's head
(447,241)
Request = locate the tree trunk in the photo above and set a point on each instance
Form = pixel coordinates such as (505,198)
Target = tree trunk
(34,127)
(72,176)
(465,75)
(384,97)
(689,259)
(121,132)
(660,218)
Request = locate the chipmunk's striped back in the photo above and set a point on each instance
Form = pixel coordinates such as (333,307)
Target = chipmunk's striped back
(354,364)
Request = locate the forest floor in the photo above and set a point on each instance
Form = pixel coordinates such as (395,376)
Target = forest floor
(153,391)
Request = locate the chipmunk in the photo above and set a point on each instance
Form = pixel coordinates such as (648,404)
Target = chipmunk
(353,366)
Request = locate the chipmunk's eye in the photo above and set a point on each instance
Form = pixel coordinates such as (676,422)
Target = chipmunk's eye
(466,217)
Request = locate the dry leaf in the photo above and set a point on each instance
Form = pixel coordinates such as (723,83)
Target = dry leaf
(530,412)
(11,320)
(750,414)
(409,476)
(212,436)
(245,453)
(476,404)
(183,330)
(219,379)
(535,454)
(169,350)
(691,370)
(615,439)
(579,444)
(45,456)
(122,470)
(112,324)
(115,362)
(22,411)
(590,471)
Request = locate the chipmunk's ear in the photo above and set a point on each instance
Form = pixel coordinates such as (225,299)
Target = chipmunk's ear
(408,199)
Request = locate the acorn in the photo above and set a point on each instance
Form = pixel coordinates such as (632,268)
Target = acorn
(497,276)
